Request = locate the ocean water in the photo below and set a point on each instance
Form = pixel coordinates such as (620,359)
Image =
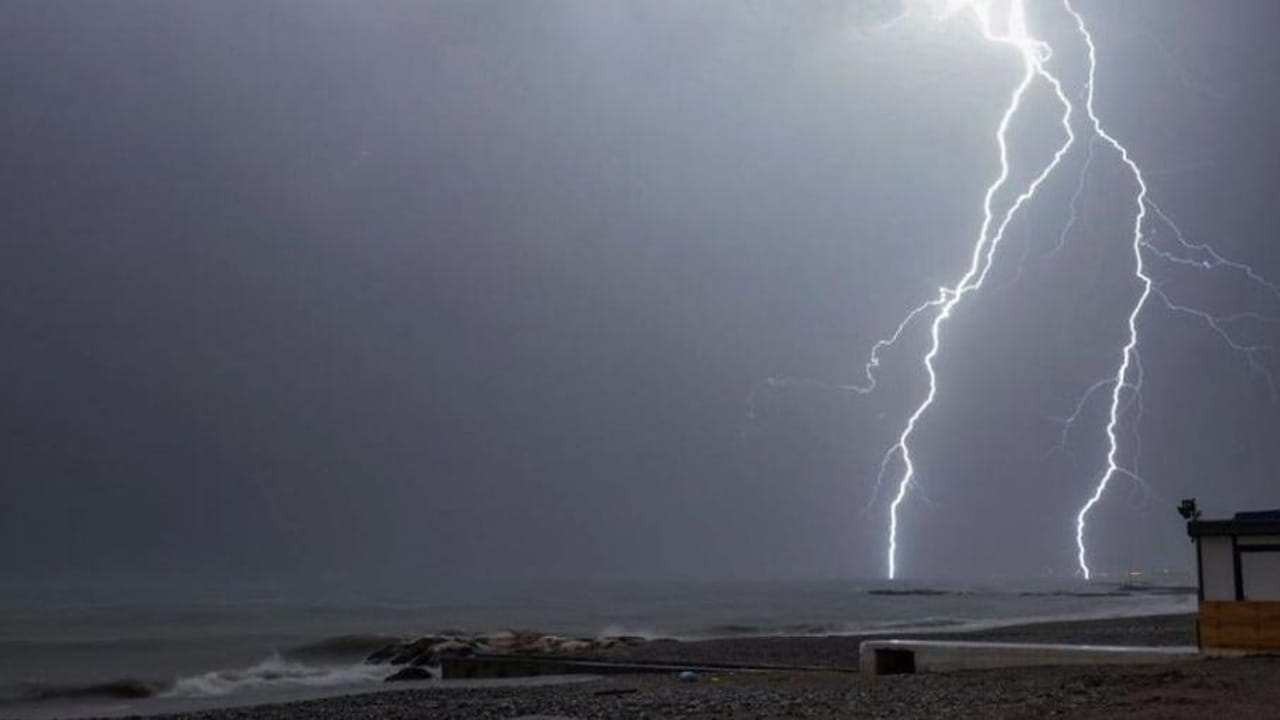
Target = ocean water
(75,651)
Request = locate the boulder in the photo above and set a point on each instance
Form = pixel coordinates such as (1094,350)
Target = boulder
(410,673)
(409,652)
(452,648)
(384,654)
(429,649)
(502,640)
(544,644)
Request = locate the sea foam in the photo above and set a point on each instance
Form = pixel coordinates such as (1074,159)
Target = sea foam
(273,672)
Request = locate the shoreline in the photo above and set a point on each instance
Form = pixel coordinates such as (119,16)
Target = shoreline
(837,654)
(1173,691)
(841,651)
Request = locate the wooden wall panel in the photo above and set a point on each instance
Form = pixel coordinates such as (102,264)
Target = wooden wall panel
(1240,625)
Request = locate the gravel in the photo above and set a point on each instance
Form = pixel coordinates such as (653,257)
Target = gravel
(1235,688)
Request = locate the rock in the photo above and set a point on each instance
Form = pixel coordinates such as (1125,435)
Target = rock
(443,649)
(688,676)
(384,654)
(515,641)
(544,644)
(411,651)
(452,648)
(429,649)
(410,673)
(502,640)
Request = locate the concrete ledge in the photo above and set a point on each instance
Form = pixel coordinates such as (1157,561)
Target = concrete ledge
(889,657)
(512,666)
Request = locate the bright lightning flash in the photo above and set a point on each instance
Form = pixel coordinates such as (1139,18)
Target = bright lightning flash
(1121,383)
(1004,22)
(1128,377)
(1034,55)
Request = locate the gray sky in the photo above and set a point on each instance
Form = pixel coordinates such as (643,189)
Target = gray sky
(482,288)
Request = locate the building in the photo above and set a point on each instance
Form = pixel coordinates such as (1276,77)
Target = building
(1238,568)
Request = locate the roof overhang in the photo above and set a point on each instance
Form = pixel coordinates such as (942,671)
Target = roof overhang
(1212,528)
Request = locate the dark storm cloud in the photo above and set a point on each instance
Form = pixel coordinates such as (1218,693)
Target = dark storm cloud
(482,288)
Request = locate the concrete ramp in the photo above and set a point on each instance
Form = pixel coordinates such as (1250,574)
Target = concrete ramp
(891,657)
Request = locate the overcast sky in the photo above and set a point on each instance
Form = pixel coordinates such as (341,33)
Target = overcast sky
(482,288)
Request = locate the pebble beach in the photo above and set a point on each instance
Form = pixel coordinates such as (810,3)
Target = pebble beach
(1248,687)
(1233,688)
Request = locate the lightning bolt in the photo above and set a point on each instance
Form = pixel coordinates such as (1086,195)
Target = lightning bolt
(1121,383)
(1034,55)
(1075,198)
(1209,259)
(1125,385)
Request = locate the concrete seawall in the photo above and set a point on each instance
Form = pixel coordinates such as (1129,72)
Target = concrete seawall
(889,657)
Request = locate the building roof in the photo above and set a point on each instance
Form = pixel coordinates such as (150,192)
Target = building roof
(1258,522)
(1258,515)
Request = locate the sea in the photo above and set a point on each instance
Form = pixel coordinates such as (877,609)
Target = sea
(75,651)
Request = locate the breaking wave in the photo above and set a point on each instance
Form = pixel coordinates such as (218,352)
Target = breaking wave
(279,671)
(274,672)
